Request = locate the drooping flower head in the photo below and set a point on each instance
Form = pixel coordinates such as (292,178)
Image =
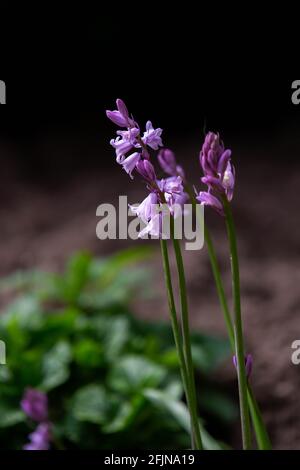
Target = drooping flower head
(120,116)
(168,164)
(219,173)
(131,139)
(167,192)
(35,405)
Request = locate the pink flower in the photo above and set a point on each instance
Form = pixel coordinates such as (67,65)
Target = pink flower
(168,164)
(207,199)
(125,142)
(40,438)
(35,405)
(130,163)
(219,173)
(152,137)
(120,117)
(146,209)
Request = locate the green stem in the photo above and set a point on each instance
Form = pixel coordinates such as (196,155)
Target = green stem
(216,273)
(195,432)
(261,433)
(262,437)
(185,321)
(238,328)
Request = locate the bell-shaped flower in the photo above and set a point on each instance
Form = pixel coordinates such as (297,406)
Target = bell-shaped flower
(120,116)
(152,137)
(147,209)
(208,199)
(125,142)
(168,164)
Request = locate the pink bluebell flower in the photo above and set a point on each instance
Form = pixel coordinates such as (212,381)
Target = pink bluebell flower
(129,163)
(146,170)
(219,173)
(130,139)
(121,117)
(146,210)
(152,137)
(124,143)
(35,405)
(154,227)
(207,199)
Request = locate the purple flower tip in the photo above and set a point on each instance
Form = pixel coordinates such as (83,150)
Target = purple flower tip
(248,364)
(167,161)
(207,199)
(146,170)
(35,405)
(219,173)
(120,116)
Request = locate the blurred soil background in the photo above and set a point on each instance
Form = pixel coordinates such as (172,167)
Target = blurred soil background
(49,192)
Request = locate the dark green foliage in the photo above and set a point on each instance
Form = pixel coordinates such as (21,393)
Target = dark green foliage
(112,380)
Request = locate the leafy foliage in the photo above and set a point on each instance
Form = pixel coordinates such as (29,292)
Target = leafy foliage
(112,380)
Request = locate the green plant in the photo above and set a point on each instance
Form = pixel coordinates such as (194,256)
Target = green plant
(112,379)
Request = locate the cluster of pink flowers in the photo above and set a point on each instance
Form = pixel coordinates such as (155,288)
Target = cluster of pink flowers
(168,191)
(215,160)
(131,139)
(219,173)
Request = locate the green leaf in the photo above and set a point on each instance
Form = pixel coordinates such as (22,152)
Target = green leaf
(56,365)
(116,336)
(133,373)
(216,403)
(90,404)
(10,416)
(61,323)
(24,312)
(76,276)
(125,415)
(122,260)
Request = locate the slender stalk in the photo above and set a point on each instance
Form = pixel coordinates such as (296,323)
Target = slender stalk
(220,288)
(261,433)
(185,319)
(238,328)
(195,431)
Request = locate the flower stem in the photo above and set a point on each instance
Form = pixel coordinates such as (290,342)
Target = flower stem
(220,288)
(261,432)
(238,328)
(195,431)
(185,321)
